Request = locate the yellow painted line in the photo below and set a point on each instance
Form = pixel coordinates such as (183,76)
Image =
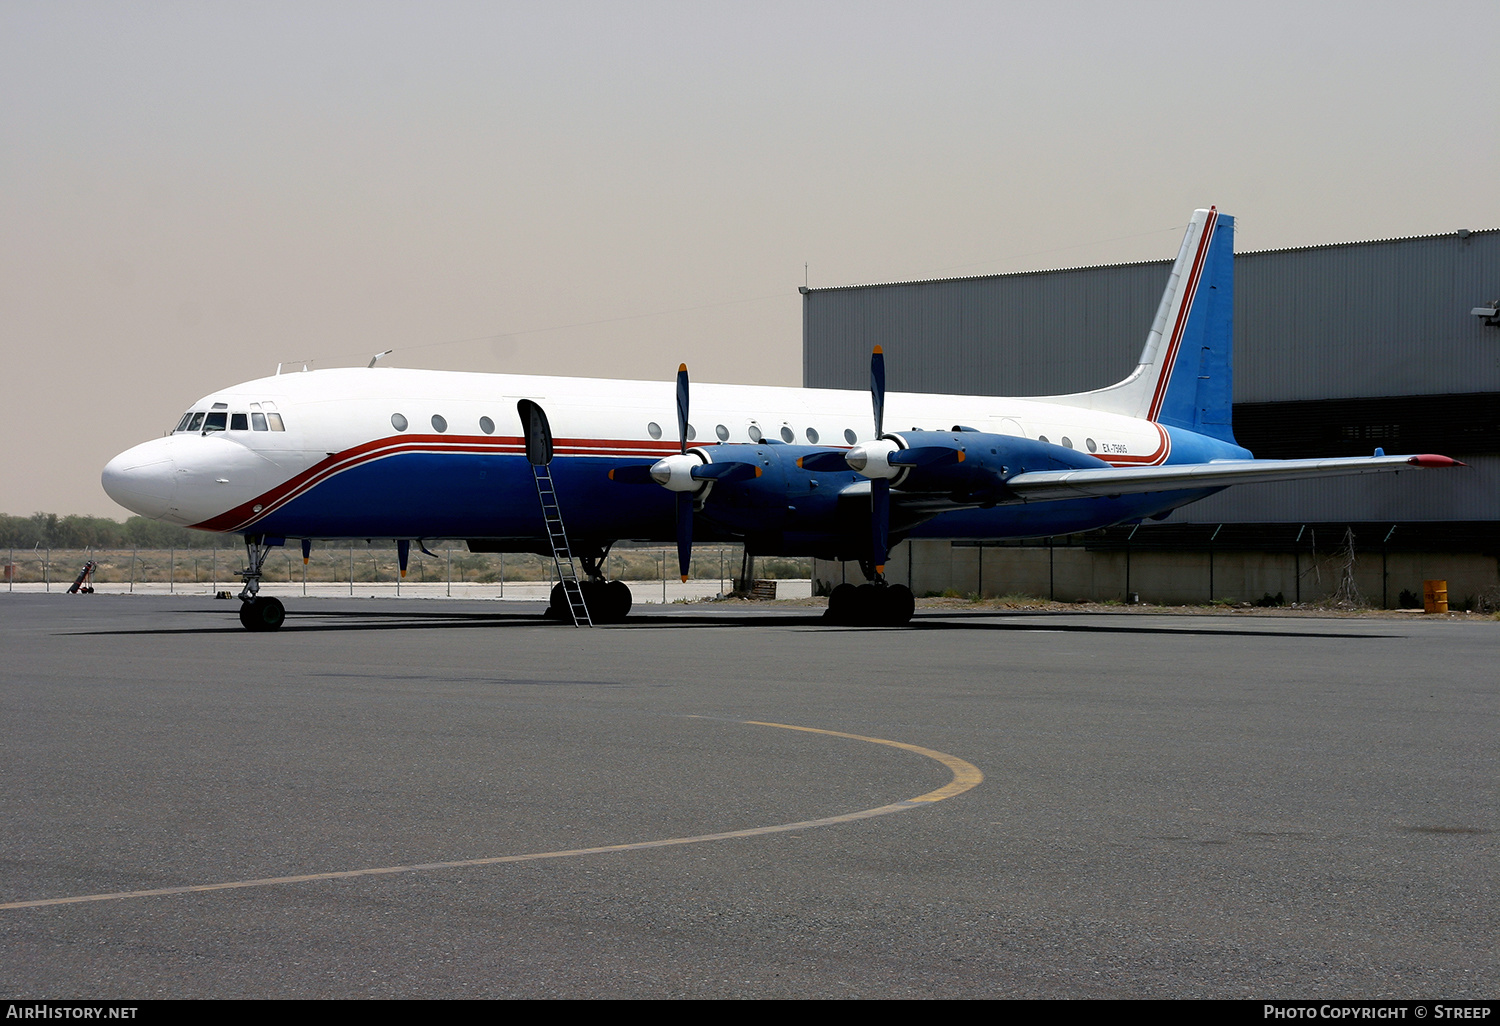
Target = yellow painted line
(966,776)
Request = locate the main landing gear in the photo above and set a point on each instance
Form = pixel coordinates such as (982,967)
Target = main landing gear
(608,601)
(877,604)
(257,613)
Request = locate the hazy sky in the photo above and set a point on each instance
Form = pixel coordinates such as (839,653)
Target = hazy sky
(191,193)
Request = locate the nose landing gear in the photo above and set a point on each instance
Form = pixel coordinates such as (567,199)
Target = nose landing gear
(256,613)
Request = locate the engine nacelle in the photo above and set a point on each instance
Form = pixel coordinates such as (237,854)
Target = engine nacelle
(971,467)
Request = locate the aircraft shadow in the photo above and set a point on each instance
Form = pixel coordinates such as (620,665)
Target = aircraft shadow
(398,620)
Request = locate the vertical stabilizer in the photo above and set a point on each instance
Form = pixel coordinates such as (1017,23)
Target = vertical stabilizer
(1185,375)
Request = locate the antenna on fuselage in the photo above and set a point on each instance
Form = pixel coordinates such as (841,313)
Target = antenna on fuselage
(377,356)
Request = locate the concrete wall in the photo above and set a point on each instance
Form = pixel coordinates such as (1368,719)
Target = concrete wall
(1074,574)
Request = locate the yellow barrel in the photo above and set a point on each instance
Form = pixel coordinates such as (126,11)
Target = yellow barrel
(1434,596)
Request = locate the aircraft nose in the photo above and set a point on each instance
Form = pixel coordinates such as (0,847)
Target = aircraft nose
(143,479)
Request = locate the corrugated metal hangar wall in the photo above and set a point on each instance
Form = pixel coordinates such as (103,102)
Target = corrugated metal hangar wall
(1338,349)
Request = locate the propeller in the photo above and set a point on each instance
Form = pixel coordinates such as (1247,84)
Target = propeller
(880,487)
(684,499)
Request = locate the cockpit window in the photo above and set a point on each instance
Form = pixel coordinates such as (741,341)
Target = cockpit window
(182,425)
(275,419)
(215,421)
(258,421)
(239,422)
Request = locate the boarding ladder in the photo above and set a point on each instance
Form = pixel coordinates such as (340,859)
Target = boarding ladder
(562,555)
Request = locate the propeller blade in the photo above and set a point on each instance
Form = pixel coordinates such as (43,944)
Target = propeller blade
(880,522)
(832,460)
(684,499)
(633,473)
(725,472)
(924,456)
(684,534)
(682,405)
(877,388)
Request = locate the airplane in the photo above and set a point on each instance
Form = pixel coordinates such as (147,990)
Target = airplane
(416,454)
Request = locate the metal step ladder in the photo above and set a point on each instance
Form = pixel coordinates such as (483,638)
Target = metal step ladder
(562,555)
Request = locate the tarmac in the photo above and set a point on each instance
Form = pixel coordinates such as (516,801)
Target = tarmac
(414,798)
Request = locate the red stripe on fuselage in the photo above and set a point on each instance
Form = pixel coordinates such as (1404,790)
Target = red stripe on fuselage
(245,514)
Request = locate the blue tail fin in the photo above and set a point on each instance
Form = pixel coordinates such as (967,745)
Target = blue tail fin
(1185,376)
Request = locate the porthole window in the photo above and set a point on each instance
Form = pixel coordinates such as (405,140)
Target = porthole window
(1067,442)
(812,435)
(486,425)
(722,432)
(1090,443)
(755,434)
(398,422)
(850,436)
(787,435)
(439,424)
(692,434)
(1042,438)
(653,429)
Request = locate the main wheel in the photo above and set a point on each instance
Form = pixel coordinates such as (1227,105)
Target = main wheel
(619,600)
(841,603)
(262,614)
(557,608)
(896,605)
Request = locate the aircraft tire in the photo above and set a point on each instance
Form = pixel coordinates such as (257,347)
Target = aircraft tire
(841,603)
(262,614)
(557,608)
(897,605)
(620,600)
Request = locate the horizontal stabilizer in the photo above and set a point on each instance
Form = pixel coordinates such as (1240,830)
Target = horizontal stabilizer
(1071,484)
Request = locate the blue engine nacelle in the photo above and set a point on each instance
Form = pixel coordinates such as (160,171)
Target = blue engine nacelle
(964,467)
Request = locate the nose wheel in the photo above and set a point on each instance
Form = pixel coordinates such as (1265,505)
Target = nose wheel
(262,614)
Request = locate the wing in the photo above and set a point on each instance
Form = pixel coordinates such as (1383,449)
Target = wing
(1071,484)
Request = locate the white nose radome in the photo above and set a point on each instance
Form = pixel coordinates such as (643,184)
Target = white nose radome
(143,479)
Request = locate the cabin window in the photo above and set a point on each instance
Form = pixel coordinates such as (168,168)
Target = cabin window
(486,425)
(1090,443)
(812,435)
(258,421)
(850,436)
(1067,442)
(787,434)
(239,422)
(722,432)
(215,421)
(653,429)
(691,433)
(276,424)
(1042,438)
(755,435)
(398,422)
(438,423)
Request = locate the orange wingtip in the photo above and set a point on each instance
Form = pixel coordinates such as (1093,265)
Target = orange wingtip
(681,368)
(880,351)
(684,578)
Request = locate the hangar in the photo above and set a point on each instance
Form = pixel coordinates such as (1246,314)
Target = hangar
(1339,349)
